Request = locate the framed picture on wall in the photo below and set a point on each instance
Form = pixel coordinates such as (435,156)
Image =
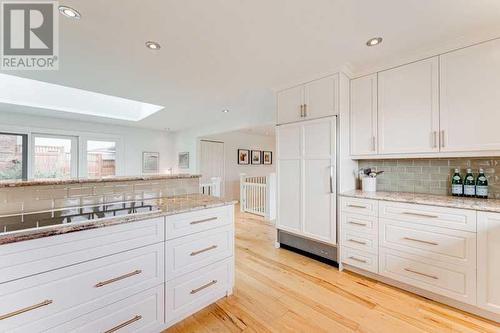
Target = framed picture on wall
(150,162)
(184,160)
(256,157)
(267,157)
(243,156)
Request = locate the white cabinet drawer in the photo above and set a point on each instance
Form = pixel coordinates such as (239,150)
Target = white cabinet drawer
(447,245)
(449,280)
(360,259)
(359,206)
(453,218)
(360,223)
(49,253)
(189,223)
(360,241)
(192,292)
(189,253)
(140,313)
(33,303)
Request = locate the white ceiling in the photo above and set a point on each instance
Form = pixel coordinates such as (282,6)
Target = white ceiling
(231,54)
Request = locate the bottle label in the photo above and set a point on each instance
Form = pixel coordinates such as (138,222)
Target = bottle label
(482,191)
(457,189)
(469,190)
(470,178)
(457,177)
(482,178)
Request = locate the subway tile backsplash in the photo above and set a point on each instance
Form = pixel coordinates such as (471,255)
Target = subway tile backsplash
(431,175)
(40,198)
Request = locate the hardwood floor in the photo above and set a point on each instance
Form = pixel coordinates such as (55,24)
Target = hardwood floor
(280,291)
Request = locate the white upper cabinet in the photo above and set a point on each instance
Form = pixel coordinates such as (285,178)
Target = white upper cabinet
(408,108)
(313,100)
(320,98)
(364,115)
(470,98)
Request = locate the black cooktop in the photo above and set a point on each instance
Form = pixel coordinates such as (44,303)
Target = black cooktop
(71,215)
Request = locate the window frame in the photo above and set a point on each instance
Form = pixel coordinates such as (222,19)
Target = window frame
(25,154)
(84,153)
(75,151)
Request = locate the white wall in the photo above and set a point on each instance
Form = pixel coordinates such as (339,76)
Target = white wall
(132,141)
(241,140)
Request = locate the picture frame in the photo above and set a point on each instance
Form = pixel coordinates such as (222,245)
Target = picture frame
(150,162)
(184,160)
(243,156)
(267,157)
(256,157)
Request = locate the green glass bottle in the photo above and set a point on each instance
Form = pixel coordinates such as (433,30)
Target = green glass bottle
(469,184)
(457,184)
(481,185)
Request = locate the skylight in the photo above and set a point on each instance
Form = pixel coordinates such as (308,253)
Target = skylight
(38,94)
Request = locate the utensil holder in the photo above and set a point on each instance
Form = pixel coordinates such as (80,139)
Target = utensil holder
(369,184)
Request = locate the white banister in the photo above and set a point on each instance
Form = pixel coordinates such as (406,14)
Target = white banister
(213,188)
(258,195)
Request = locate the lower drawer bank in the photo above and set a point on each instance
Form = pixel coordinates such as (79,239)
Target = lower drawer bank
(126,288)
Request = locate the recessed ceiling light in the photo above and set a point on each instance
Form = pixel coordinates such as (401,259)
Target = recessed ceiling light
(225,111)
(69,12)
(374,41)
(153,45)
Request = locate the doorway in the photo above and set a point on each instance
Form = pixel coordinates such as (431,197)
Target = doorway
(212,162)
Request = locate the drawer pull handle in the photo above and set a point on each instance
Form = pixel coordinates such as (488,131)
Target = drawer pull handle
(423,274)
(194,291)
(203,221)
(357,241)
(124,324)
(29,308)
(195,253)
(116,279)
(420,241)
(356,206)
(421,215)
(358,223)
(359,260)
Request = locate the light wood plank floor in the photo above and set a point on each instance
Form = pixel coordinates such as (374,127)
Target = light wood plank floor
(280,291)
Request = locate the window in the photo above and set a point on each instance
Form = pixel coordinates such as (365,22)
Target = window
(101,158)
(13,156)
(54,156)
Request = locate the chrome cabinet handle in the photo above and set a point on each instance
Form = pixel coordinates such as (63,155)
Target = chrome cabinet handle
(423,274)
(421,215)
(356,206)
(116,279)
(195,253)
(305,110)
(194,291)
(420,241)
(124,324)
(435,136)
(301,110)
(374,146)
(357,242)
(358,223)
(27,309)
(442,141)
(331,179)
(203,221)
(357,259)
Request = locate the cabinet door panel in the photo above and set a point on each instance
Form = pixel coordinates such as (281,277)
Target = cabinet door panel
(408,114)
(488,257)
(364,115)
(321,98)
(289,198)
(289,102)
(470,102)
(318,139)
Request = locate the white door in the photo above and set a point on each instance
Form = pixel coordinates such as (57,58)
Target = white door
(470,98)
(212,162)
(318,196)
(289,177)
(488,259)
(320,98)
(408,108)
(364,115)
(289,104)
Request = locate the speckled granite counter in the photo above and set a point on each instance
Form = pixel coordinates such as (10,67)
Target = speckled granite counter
(165,206)
(486,205)
(69,181)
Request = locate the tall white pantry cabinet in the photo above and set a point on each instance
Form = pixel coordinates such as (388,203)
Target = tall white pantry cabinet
(312,137)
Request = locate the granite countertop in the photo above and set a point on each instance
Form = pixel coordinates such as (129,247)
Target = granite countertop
(69,181)
(167,206)
(485,205)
